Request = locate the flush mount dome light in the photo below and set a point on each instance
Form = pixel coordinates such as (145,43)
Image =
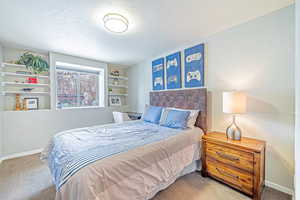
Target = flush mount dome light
(115,23)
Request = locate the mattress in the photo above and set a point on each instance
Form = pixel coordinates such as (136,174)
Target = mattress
(133,160)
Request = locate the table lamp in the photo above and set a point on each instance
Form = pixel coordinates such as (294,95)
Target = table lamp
(234,103)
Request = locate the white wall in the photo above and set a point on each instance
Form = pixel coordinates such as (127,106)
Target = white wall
(26,131)
(1,109)
(297,85)
(30,130)
(258,58)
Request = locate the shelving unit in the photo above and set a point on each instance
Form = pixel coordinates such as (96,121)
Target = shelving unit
(14,78)
(118,84)
(118,77)
(24,84)
(116,94)
(12,65)
(22,75)
(24,93)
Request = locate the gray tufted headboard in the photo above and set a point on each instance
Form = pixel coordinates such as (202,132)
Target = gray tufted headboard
(195,99)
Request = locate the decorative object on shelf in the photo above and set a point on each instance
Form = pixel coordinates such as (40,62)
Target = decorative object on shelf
(27,89)
(116,81)
(31,103)
(115,73)
(18,103)
(194,66)
(234,103)
(24,105)
(35,63)
(32,80)
(174,71)
(110,90)
(115,101)
(158,74)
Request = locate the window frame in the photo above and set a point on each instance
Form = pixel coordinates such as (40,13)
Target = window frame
(64,66)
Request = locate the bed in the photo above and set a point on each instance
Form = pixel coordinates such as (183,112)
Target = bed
(130,160)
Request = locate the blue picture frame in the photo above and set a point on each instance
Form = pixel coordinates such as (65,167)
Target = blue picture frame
(173,65)
(158,74)
(194,66)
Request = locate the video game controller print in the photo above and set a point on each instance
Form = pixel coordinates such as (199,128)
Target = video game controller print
(196,75)
(158,81)
(172,63)
(158,67)
(172,79)
(193,57)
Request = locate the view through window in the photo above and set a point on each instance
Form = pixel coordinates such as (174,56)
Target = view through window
(77,87)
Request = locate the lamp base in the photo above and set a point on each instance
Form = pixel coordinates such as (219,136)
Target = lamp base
(233,132)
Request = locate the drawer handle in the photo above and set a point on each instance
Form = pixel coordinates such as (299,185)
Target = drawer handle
(227,174)
(228,157)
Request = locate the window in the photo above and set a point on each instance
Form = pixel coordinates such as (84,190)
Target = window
(79,86)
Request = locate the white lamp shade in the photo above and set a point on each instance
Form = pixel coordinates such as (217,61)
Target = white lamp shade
(234,102)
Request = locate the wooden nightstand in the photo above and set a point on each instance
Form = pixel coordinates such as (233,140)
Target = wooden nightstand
(240,164)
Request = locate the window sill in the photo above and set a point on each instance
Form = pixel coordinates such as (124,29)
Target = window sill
(76,108)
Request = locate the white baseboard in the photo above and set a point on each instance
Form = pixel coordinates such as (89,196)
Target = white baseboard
(279,187)
(17,155)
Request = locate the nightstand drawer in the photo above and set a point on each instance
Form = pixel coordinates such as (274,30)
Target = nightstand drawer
(237,179)
(239,159)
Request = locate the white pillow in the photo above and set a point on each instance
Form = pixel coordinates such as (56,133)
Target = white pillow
(164,114)
(191,120)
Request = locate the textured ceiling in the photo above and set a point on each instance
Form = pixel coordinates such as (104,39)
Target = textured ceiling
(156,26)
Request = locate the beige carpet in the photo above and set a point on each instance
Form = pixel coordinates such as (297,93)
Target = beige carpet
(28,178)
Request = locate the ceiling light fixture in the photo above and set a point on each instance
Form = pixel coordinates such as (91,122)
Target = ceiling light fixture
(115,23)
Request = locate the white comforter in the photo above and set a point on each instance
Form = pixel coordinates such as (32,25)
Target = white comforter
(138,173)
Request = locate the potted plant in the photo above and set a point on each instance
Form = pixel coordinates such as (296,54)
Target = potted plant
(34,63)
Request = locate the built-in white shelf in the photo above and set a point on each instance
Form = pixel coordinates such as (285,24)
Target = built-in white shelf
(41,110)
(13,65)
(22,75)
(24,84)
(118,77)
(24,93)
(14,78)
(117,94)
(118,86)
(125,105)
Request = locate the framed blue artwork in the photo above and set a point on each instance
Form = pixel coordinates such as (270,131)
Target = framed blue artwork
(174,71)
(194,66)
(158,73)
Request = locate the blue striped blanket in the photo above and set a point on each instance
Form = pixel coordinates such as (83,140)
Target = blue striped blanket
(71,150)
